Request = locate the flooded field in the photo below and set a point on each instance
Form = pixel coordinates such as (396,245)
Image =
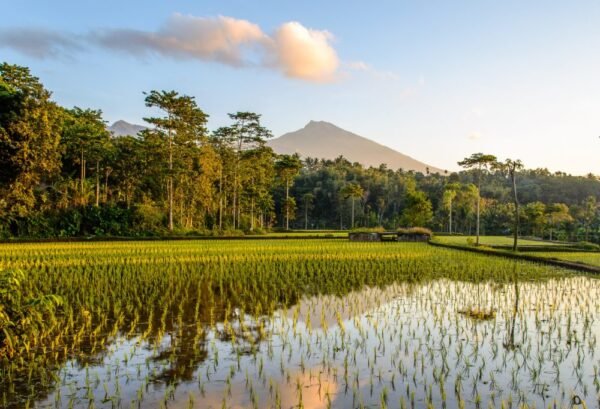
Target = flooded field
(300,324)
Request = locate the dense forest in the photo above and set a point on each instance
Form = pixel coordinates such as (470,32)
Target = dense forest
(62,174)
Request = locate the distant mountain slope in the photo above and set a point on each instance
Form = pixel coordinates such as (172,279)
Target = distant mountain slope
(122,128)
(320,139)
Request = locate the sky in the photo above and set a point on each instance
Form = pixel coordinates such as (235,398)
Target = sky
(436,80)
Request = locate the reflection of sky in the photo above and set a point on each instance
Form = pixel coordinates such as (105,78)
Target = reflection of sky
(398,339)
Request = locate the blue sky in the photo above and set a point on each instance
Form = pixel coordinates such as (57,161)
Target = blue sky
(434,80)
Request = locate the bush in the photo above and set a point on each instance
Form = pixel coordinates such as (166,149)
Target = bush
(415,231)
(232,233)
(368,230)
(148,217)
(586,245)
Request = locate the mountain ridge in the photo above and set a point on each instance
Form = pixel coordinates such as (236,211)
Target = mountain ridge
(123,128)
(324,140)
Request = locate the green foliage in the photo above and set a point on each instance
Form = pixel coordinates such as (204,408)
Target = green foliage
(29,140)
(418,210)
(22,314)
(55,162)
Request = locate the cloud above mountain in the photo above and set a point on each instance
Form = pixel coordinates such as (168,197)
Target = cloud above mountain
(293,49)
(221,39)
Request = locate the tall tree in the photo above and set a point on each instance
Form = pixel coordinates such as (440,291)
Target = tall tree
(183,127)
(30,126)
(287,167)
(245,134)
(481,163)
(450,192)
(510,168)
(307,203)
(353,191)
(86,139)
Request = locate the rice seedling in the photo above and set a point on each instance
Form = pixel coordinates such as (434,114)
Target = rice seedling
(304,323)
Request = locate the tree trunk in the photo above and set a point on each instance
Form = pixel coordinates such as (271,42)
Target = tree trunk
(305,215)
(221,199)
(170,181)
(106,186)
(352,219)
(252,214)
(478,207)
(97,183)
(450,221)
(517,220)
(287,205)
(82,171)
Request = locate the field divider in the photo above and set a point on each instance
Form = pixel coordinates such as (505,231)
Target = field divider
(518,256)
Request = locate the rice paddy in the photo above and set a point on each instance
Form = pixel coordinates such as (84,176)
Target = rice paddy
(299,324)
(492,241)
(592,258)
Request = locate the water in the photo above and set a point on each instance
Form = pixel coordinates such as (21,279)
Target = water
(404,345)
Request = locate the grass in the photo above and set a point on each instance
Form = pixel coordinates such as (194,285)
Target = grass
(491,241)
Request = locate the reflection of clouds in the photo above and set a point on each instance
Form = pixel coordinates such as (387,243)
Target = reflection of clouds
(314,393)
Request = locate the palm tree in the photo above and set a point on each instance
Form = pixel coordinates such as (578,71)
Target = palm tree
(352,190)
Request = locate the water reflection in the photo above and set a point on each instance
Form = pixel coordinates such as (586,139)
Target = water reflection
(401,345)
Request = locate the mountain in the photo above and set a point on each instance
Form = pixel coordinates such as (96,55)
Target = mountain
(320,139)
(122,128)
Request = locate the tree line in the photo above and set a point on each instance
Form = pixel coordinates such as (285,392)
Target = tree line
(62,173)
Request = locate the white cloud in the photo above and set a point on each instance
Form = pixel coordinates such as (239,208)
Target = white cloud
(293,49)
(304,53)
(39,43)
(221,39)
(296,51)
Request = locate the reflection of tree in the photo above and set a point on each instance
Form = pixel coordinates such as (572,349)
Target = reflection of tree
(509,343)
(174,318)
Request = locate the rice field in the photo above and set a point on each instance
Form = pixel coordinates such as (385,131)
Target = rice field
(492,241)
(299,324)
(592,258)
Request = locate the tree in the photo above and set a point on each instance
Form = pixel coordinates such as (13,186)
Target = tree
(418,210)
(534,213)
(127,165)
(86,138)
(245,134)
(307,201)
(557,214)
(510,167)
(30,125)
(183,127)
(354,191)
(287,167)
(480,162)
(450,193)
(589,209)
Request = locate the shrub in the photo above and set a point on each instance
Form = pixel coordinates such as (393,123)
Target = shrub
(415,231)
(368,230)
